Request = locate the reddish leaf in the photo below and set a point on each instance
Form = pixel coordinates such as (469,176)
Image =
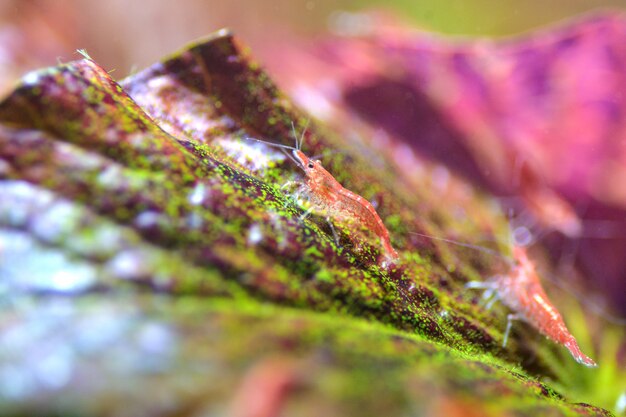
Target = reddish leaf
(539,118)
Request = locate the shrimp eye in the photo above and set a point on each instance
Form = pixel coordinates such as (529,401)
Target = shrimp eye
(311,165)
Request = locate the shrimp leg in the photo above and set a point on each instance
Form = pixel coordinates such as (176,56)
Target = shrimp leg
(509,323)
(332,228)
(490,296)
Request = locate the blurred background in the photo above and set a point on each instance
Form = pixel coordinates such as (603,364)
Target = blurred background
(125,36)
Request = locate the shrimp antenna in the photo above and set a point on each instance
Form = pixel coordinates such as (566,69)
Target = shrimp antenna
(466,245)
(273,144)
(290,156)
(282,147)
(306,126)
(295,134)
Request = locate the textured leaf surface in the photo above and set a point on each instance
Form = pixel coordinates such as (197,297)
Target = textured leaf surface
(151,262)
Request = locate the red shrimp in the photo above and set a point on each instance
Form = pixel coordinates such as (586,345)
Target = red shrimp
(522,292)
(330,199)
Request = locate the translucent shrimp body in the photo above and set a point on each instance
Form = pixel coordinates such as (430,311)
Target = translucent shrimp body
(521,291)
(328,198)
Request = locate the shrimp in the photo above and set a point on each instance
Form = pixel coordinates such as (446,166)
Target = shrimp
(328,198)
(521,291)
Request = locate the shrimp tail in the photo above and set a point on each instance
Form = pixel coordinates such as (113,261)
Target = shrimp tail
(390,252)
(580,357)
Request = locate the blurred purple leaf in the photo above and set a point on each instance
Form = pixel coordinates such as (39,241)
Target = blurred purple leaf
(538,120)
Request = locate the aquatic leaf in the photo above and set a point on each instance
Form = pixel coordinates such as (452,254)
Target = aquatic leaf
(146,241)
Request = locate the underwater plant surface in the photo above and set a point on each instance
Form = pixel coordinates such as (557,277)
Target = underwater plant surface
(146,239)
